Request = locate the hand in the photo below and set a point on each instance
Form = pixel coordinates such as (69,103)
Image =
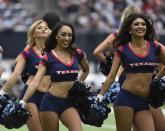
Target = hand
(22,103)
(99,98)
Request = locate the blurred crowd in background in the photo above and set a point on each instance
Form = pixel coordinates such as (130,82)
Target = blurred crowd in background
(13,16)
(85,15)
(104,15)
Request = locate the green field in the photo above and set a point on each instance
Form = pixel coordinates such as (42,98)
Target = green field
(109,125)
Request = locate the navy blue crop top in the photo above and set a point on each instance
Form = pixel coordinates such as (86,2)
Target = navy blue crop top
(60,71)
(134,63)
(32,59)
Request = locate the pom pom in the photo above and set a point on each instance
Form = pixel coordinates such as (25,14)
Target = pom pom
(51,18)
(3,102)
(157,92)
(91,112)
(95,113)
(79,90)
(13,115)
(111,94)
(106,67)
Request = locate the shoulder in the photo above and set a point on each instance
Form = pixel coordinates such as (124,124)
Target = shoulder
(45,55)
(120,51)
(25,53)
(80,53)
(27,50)
(156,44)
(111,36)
(120,48)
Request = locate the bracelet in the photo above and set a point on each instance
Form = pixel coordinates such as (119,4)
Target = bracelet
(116,79)
(23,103)
(99,98)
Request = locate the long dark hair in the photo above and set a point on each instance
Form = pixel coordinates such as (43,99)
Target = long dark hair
(124,36)
(51,41)
(152,23)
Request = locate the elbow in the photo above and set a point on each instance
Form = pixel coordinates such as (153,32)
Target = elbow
(95,53)
(99,55)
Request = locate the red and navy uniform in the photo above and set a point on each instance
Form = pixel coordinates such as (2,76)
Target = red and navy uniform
(32,59)
(135,63)
(60,72)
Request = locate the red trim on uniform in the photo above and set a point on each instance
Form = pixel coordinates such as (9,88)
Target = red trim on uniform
(23,56)
(45,57)
(81,53)
(70,62)
(117,54)
(78,51)
(27,50)
(140,55)
(42,63)
(120,48)
(114,34)
(156,43)
(35,51)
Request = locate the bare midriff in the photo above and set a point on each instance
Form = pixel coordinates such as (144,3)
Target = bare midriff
(138,83)
(44,84)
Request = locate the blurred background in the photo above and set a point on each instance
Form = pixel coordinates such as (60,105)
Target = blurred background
(93,21)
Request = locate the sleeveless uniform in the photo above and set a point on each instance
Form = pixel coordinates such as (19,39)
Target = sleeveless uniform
(60,72)
(134,63)
(32,61)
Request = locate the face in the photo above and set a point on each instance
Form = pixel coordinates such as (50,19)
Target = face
(41,31)
(138,27)
(64,36)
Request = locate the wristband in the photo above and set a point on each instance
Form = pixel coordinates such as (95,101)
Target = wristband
(99,98)
(116,79)
(23,103)
(2,92)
